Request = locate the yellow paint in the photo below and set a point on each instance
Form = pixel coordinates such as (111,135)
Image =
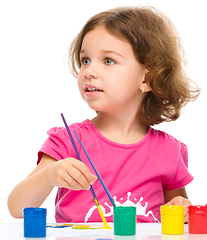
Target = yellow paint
(106,226)
(172,219)
(81,227)
(85,227)
(66,224)
(61,225)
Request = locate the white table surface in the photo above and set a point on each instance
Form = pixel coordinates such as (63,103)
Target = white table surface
(144,231)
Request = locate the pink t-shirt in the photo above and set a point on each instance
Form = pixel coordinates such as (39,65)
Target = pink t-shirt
(135,174)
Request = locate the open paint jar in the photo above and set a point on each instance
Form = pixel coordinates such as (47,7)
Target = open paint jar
(124,221)
(34,222)
(197,219)
(172,219)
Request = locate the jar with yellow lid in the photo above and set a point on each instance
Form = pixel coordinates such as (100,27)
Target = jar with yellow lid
(172,219)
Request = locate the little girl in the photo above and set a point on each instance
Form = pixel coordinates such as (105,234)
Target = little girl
(129,68)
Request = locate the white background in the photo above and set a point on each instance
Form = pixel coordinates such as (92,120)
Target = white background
(36,85)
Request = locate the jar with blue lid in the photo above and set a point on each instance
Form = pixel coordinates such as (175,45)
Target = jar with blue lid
(34,222)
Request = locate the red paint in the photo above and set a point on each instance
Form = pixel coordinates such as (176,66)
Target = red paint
(197,219)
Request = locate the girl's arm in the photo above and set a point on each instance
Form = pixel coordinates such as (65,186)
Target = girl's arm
(32,191)
(178,197)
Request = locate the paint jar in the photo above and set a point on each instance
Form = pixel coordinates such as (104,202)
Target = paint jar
(124,221)
(197,219)
(34,222)
(172,219)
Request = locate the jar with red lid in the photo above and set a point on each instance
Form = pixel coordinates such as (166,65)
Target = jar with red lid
(197,219)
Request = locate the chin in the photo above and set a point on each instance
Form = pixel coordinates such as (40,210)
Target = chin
(93,107)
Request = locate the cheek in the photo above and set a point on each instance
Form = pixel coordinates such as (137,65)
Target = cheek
(80,87)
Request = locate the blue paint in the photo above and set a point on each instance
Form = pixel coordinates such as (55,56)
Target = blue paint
(34,222)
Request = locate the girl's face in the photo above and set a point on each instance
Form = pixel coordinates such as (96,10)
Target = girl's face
(110,76)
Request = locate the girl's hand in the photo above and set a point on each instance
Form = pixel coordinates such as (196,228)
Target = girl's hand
(70,173)
(181,201)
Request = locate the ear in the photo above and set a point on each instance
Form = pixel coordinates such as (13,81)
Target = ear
(144,87)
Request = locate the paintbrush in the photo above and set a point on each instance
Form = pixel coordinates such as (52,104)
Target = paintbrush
(91,188)
(99,177)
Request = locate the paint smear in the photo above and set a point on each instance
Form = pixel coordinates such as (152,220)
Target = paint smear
(80,227)
(61,225)
(104,227)
(86,227)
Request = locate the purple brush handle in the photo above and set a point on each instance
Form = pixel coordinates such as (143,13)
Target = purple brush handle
(78,155)
(99,177)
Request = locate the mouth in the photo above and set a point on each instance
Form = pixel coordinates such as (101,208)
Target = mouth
(92,89)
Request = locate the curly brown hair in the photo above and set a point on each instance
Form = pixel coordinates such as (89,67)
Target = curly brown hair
(156,44)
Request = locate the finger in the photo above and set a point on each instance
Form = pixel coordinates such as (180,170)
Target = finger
(64,180)
(75,178)
(187,203)
(70,186)
(176,201)
(69,182)
(90,178)
(179,201)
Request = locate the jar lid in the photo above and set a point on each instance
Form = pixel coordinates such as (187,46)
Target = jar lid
(197,209)
(34,211)
(124,210)
(172,209)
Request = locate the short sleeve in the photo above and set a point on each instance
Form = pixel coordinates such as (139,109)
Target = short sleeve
(181,176)
(57,145)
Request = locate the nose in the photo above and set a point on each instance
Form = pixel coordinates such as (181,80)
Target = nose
(91,71)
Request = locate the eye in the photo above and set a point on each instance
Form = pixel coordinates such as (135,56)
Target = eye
(85,61)
(108,61)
